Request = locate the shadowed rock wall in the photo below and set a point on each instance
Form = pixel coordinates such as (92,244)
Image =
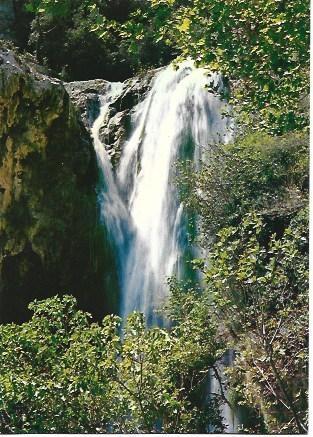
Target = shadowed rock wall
(7,18)
(50,239)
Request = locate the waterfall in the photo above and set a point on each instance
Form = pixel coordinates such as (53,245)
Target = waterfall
(139,200)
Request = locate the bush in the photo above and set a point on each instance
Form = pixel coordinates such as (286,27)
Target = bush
(62,373)
(259,172)
(64,37)
(260,294)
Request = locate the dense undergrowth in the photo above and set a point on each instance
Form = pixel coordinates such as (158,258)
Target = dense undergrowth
(62,373)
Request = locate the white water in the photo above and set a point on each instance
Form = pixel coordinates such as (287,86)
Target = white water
(140,203)
(231,416)
(114,212)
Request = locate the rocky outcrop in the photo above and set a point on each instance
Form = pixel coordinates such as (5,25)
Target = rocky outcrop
(117,125)
(85,96)
(50,240)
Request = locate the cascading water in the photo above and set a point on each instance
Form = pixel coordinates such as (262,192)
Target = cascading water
(113,211)
(140,202)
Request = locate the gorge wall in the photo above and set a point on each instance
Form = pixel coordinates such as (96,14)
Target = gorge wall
(50,238)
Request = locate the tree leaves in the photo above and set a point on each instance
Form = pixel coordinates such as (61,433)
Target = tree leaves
(60,372)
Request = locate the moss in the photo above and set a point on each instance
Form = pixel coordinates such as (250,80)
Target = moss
(48,206)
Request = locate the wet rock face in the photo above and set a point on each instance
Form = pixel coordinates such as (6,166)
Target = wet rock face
(85,96)
(7,18)
(50,241)
(116,127)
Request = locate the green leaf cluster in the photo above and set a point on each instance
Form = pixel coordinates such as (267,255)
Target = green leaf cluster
(260,291)
(90,39)
(51,7)
(252,200)
(62,373)
(256,172)
(262,47)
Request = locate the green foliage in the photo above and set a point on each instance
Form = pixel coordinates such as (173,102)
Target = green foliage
(92,39)
(62,373)
(262,47)
(258,172)
(252,196)
(260,291)
(62,39)
(51,7)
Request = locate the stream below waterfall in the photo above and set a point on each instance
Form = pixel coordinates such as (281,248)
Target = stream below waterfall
(145,220)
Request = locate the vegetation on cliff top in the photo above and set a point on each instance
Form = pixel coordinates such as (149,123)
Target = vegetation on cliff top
(261,47)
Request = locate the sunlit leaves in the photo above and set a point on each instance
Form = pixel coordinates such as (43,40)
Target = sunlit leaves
(62,373)
(252,195)
(262,47)
(264,43)
(259,284)
(52,7)
(184,27)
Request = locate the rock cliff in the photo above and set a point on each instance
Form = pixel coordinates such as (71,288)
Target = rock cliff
(50,240)
(116,127)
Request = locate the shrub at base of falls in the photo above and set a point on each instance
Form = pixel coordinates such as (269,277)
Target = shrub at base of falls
(254,195)
(62,373)
(260,293)
(49,237)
